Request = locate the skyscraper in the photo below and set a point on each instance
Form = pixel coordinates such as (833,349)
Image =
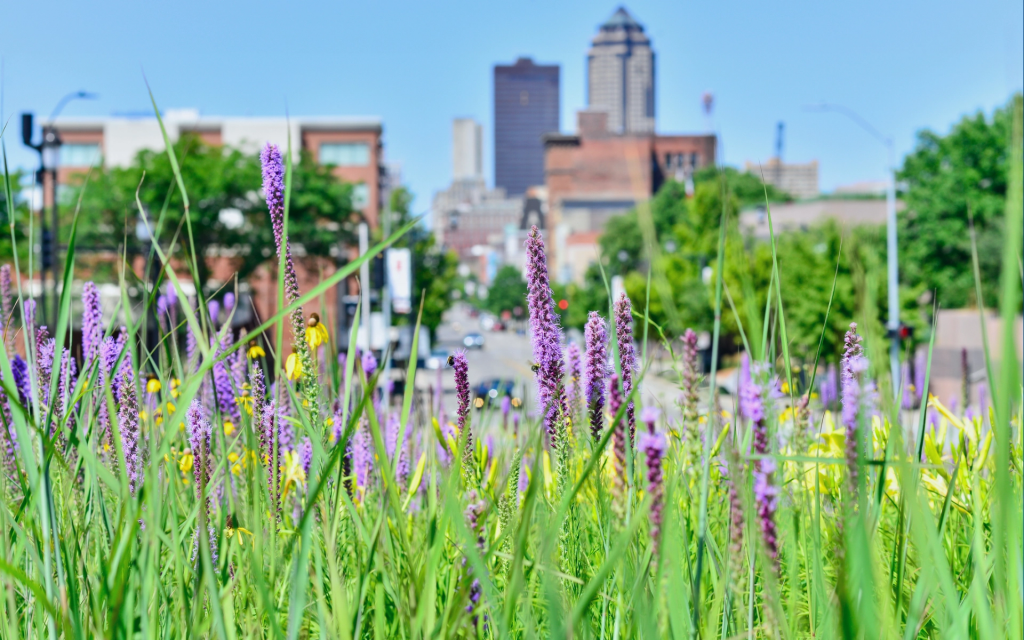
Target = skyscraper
(467,149)
(525,108)
(620,75)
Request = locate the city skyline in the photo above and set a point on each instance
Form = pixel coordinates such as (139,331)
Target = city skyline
(810,54)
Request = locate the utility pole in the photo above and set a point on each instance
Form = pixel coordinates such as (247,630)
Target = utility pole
(385,294)
(364,284)
(890,242)
(49,161)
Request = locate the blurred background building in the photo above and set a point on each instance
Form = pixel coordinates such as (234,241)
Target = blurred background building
(796,179)
(620,75)
(526,106)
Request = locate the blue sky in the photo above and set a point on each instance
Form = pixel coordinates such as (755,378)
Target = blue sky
(903,65)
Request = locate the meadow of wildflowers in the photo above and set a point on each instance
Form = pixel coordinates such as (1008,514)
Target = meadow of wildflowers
(191,489)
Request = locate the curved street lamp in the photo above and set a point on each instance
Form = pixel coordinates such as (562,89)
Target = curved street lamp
(890,225)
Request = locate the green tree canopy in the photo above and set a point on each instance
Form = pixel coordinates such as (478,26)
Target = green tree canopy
(507,291)
(227,211)
(945,176)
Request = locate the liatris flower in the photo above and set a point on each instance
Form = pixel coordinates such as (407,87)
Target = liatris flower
(506,408)
(92,324)
(200,434)
(691,379)
(619,435)
(546,335)
(395,449)
(653,445)
(474,510)
(6,297)
(9,439)
(259,395)
(369,363)
(191,351)
(765,492)
(222,383)
(29,309)
(361,448)
(461,368)
(65,387)
(19,368)
(229,301)
(920,372)
(853,365)
(596,371)
(128,424)
(627,356)
(574,379)
(828,388)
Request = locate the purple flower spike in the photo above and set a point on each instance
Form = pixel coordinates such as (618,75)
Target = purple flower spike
(574,377)
(229,301)
(369,363)
(691,378)
(627,357)
(546,335)
(653,445)
(854,364)
(506,405)
(21,379)
(6,295)
(92,324)
(649,416)
(200,434)
(214,308)
(765,492)
(596,372)
(222,382)
(128,424)
(619,435)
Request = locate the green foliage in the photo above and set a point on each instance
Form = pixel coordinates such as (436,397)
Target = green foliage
(507,292)
(218,179)
(945,176)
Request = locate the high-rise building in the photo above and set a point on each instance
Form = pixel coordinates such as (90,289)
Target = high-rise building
(467,149)
(620,75)
(525,108)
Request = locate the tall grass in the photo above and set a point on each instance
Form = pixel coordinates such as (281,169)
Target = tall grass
(404,526)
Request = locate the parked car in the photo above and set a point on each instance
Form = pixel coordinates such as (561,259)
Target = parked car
(437,359)
(492,390)
(473,341)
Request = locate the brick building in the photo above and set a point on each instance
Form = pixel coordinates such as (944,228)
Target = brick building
(594,175)
(352,145)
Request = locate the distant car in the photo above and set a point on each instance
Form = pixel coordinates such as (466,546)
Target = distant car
(494,389)
(498,326)
(487,321)
(437,359)
(473,341)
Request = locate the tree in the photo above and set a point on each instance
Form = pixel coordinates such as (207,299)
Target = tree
(227,212)
(434,270)
(945,176)
(507,291)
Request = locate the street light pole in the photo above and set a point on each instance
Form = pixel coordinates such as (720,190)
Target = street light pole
(49,160)
(891,238)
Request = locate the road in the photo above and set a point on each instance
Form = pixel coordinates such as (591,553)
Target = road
(507,355)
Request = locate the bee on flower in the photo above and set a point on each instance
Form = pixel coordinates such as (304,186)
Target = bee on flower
(255,350)
(316,332)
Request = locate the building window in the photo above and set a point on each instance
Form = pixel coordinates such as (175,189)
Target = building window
(79,154)
(360,196)
(345,154)
(693,160)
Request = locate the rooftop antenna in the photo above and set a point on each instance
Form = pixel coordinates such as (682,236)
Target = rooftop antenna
(708,100)
(779,131)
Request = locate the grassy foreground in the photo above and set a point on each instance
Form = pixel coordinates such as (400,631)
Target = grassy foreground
(175,491)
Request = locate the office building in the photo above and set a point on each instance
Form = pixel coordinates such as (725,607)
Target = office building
(798,180)
(526,104)
(467,150)
(351,144)
(620,75)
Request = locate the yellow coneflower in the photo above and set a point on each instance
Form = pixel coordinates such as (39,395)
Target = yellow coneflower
(255,350)
(293,366)
(153,385)
(229,427)
(185,463)
(316,332)
(294,474)
(245,401)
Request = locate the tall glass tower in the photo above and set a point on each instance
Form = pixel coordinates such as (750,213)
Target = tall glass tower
(620,75)
(525,108)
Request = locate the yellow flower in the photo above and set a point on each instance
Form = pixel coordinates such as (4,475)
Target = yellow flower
(175,383)
(185,463)
(232,457)
(170,407)
(255,350)
(153,385)
(236,469)
(293,366)
(316,332)
(143,415)
(229,427)
(229,533)
(294,474)
(245,401)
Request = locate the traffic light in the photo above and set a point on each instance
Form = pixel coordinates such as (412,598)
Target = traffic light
(904,332)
